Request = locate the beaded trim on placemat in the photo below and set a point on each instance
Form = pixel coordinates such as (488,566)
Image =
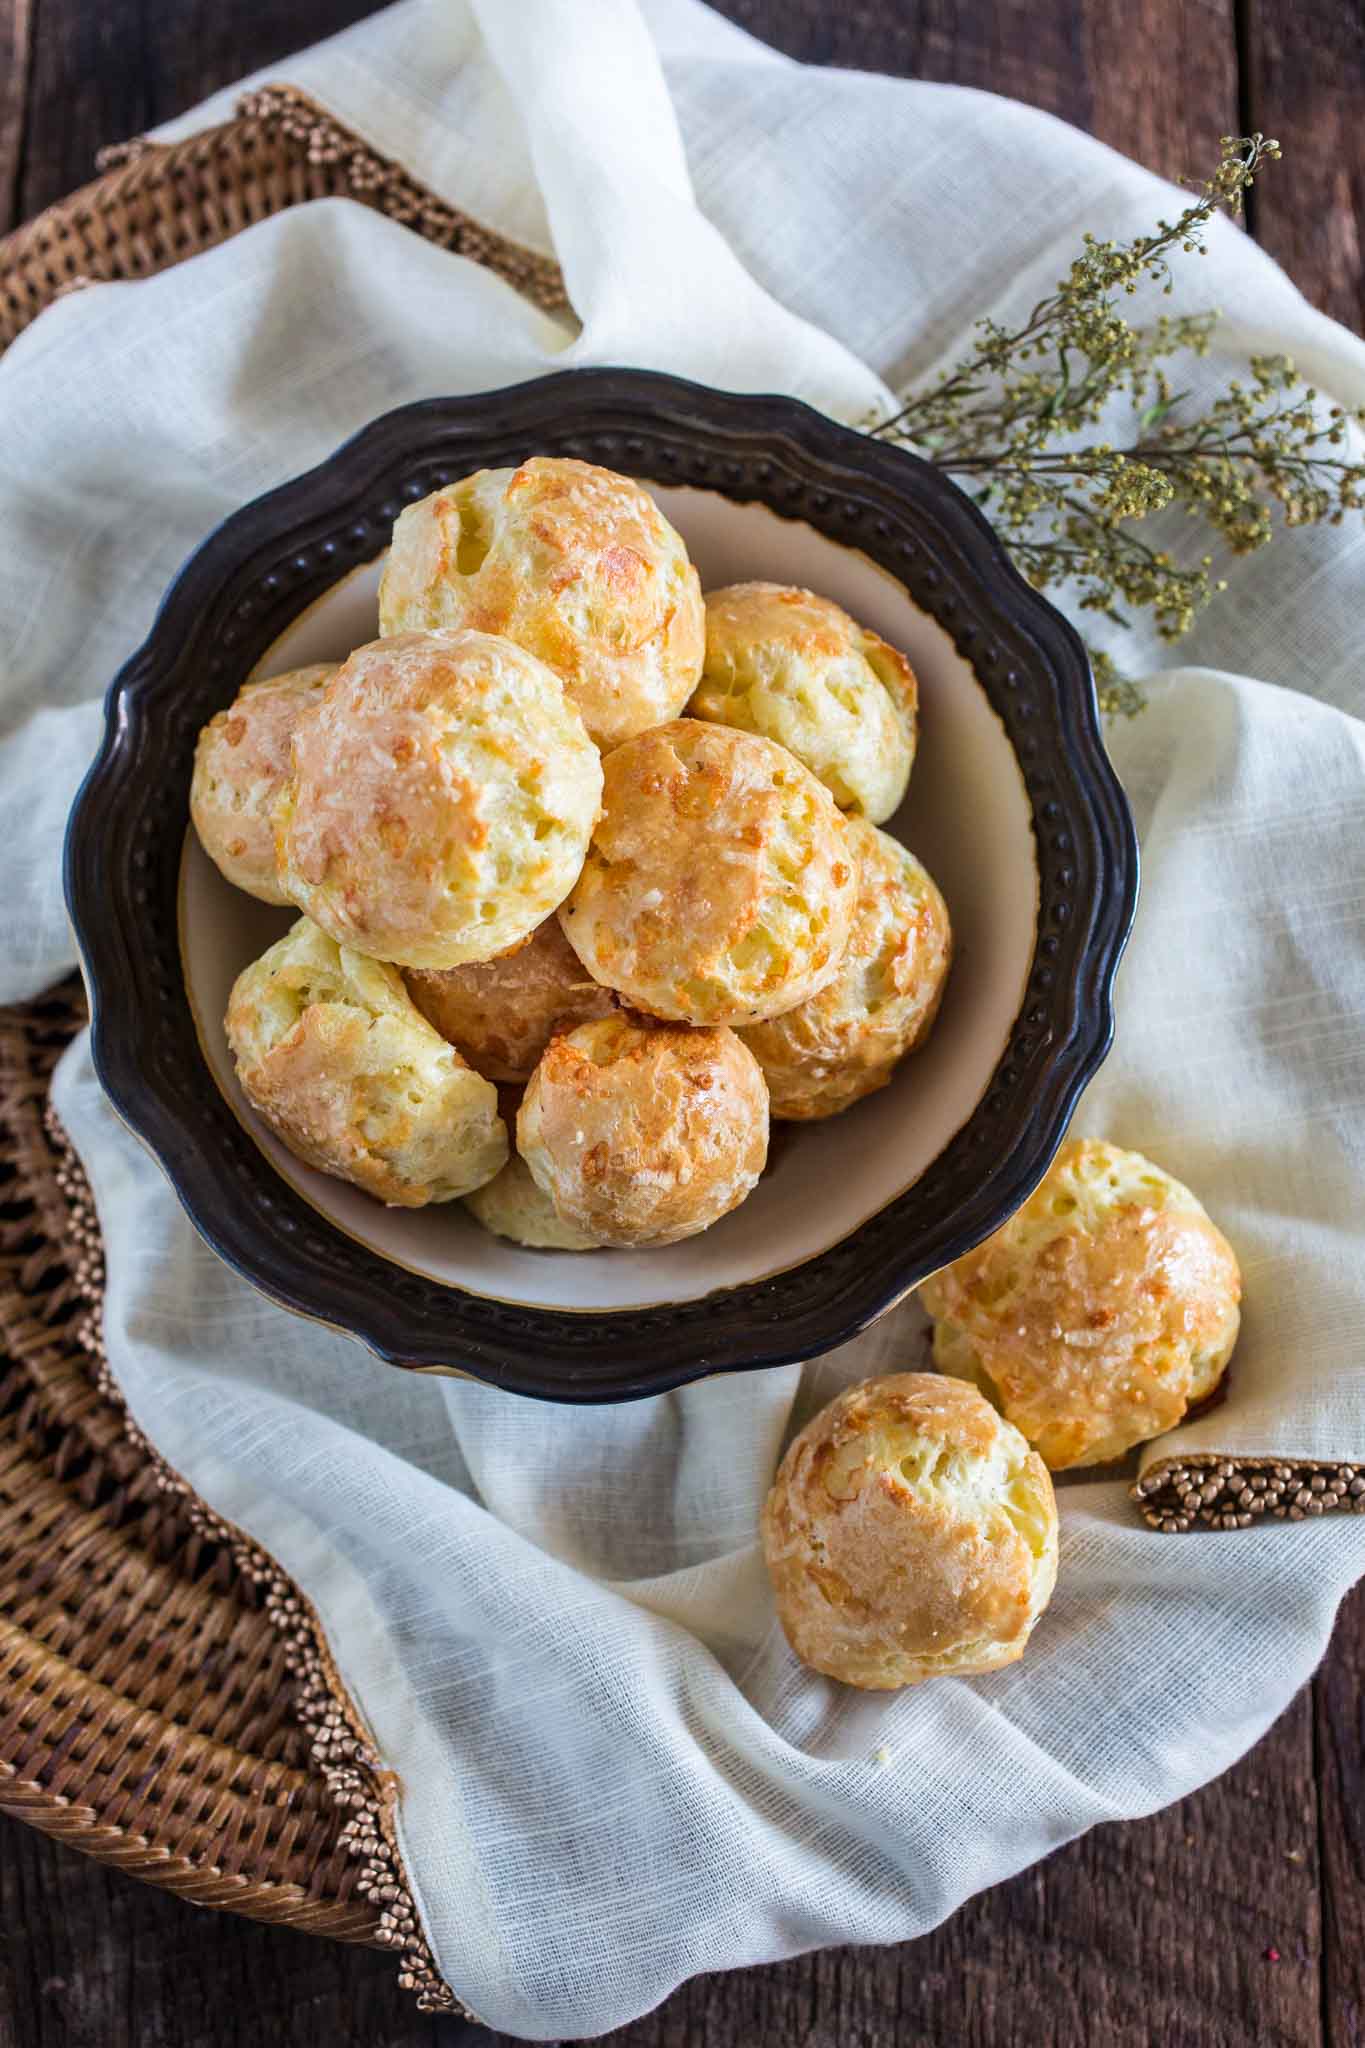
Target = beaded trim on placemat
(1212,1492)
(158,203)
(380,182)
(339,1746)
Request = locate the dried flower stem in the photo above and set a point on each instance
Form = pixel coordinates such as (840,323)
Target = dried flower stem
(1010,417)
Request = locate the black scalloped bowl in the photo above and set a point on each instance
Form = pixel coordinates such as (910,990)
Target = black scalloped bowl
(1013,806)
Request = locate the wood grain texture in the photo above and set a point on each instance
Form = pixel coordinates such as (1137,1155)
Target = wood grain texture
(1304,81)
(89,1959)
(16,31)
(102,73)
(1339,1763)
(1156,79)
(1134,53)
(1152,1933)
(85,88)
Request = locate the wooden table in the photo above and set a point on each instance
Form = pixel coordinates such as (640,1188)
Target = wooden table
(1237,1917)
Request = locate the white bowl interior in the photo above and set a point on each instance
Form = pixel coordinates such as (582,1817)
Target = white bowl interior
(967,818)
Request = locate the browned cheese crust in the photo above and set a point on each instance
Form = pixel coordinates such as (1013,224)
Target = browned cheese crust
(846,1041)
(720,883)
(575,563)
(1099,1313)
(441,799)
(794,666)
(644,1133)
(501,1014)
(332,1054)
(240,765)
(910,1533)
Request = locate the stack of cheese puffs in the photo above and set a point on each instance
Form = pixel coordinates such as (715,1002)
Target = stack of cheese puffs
(588,869)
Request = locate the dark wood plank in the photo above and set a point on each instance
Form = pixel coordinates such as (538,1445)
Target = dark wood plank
(107,72)
(1029,53)
(16,34)
(90,1959)
(85,88)
(1154,78)
(1304,75)
(1339,1719)
(1164,80)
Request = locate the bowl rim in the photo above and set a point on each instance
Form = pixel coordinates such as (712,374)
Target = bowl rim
(264,564)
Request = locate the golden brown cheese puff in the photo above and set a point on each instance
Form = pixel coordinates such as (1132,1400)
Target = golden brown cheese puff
(720,883)
(574,563)
(795,667)
(644,1133)
(910,1533)
(1099,1313)
(334,1057)
(240,765)
(512,1206)
(440,802)
(839,1045)
(501,1014)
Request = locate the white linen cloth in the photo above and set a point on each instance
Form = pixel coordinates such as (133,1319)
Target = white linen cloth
(557,1623)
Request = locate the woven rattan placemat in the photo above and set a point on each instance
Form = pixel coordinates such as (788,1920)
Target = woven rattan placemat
(166,1699)
(156,204)
(167,1703)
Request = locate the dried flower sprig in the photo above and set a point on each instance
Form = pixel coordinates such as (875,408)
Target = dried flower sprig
(1011,419)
